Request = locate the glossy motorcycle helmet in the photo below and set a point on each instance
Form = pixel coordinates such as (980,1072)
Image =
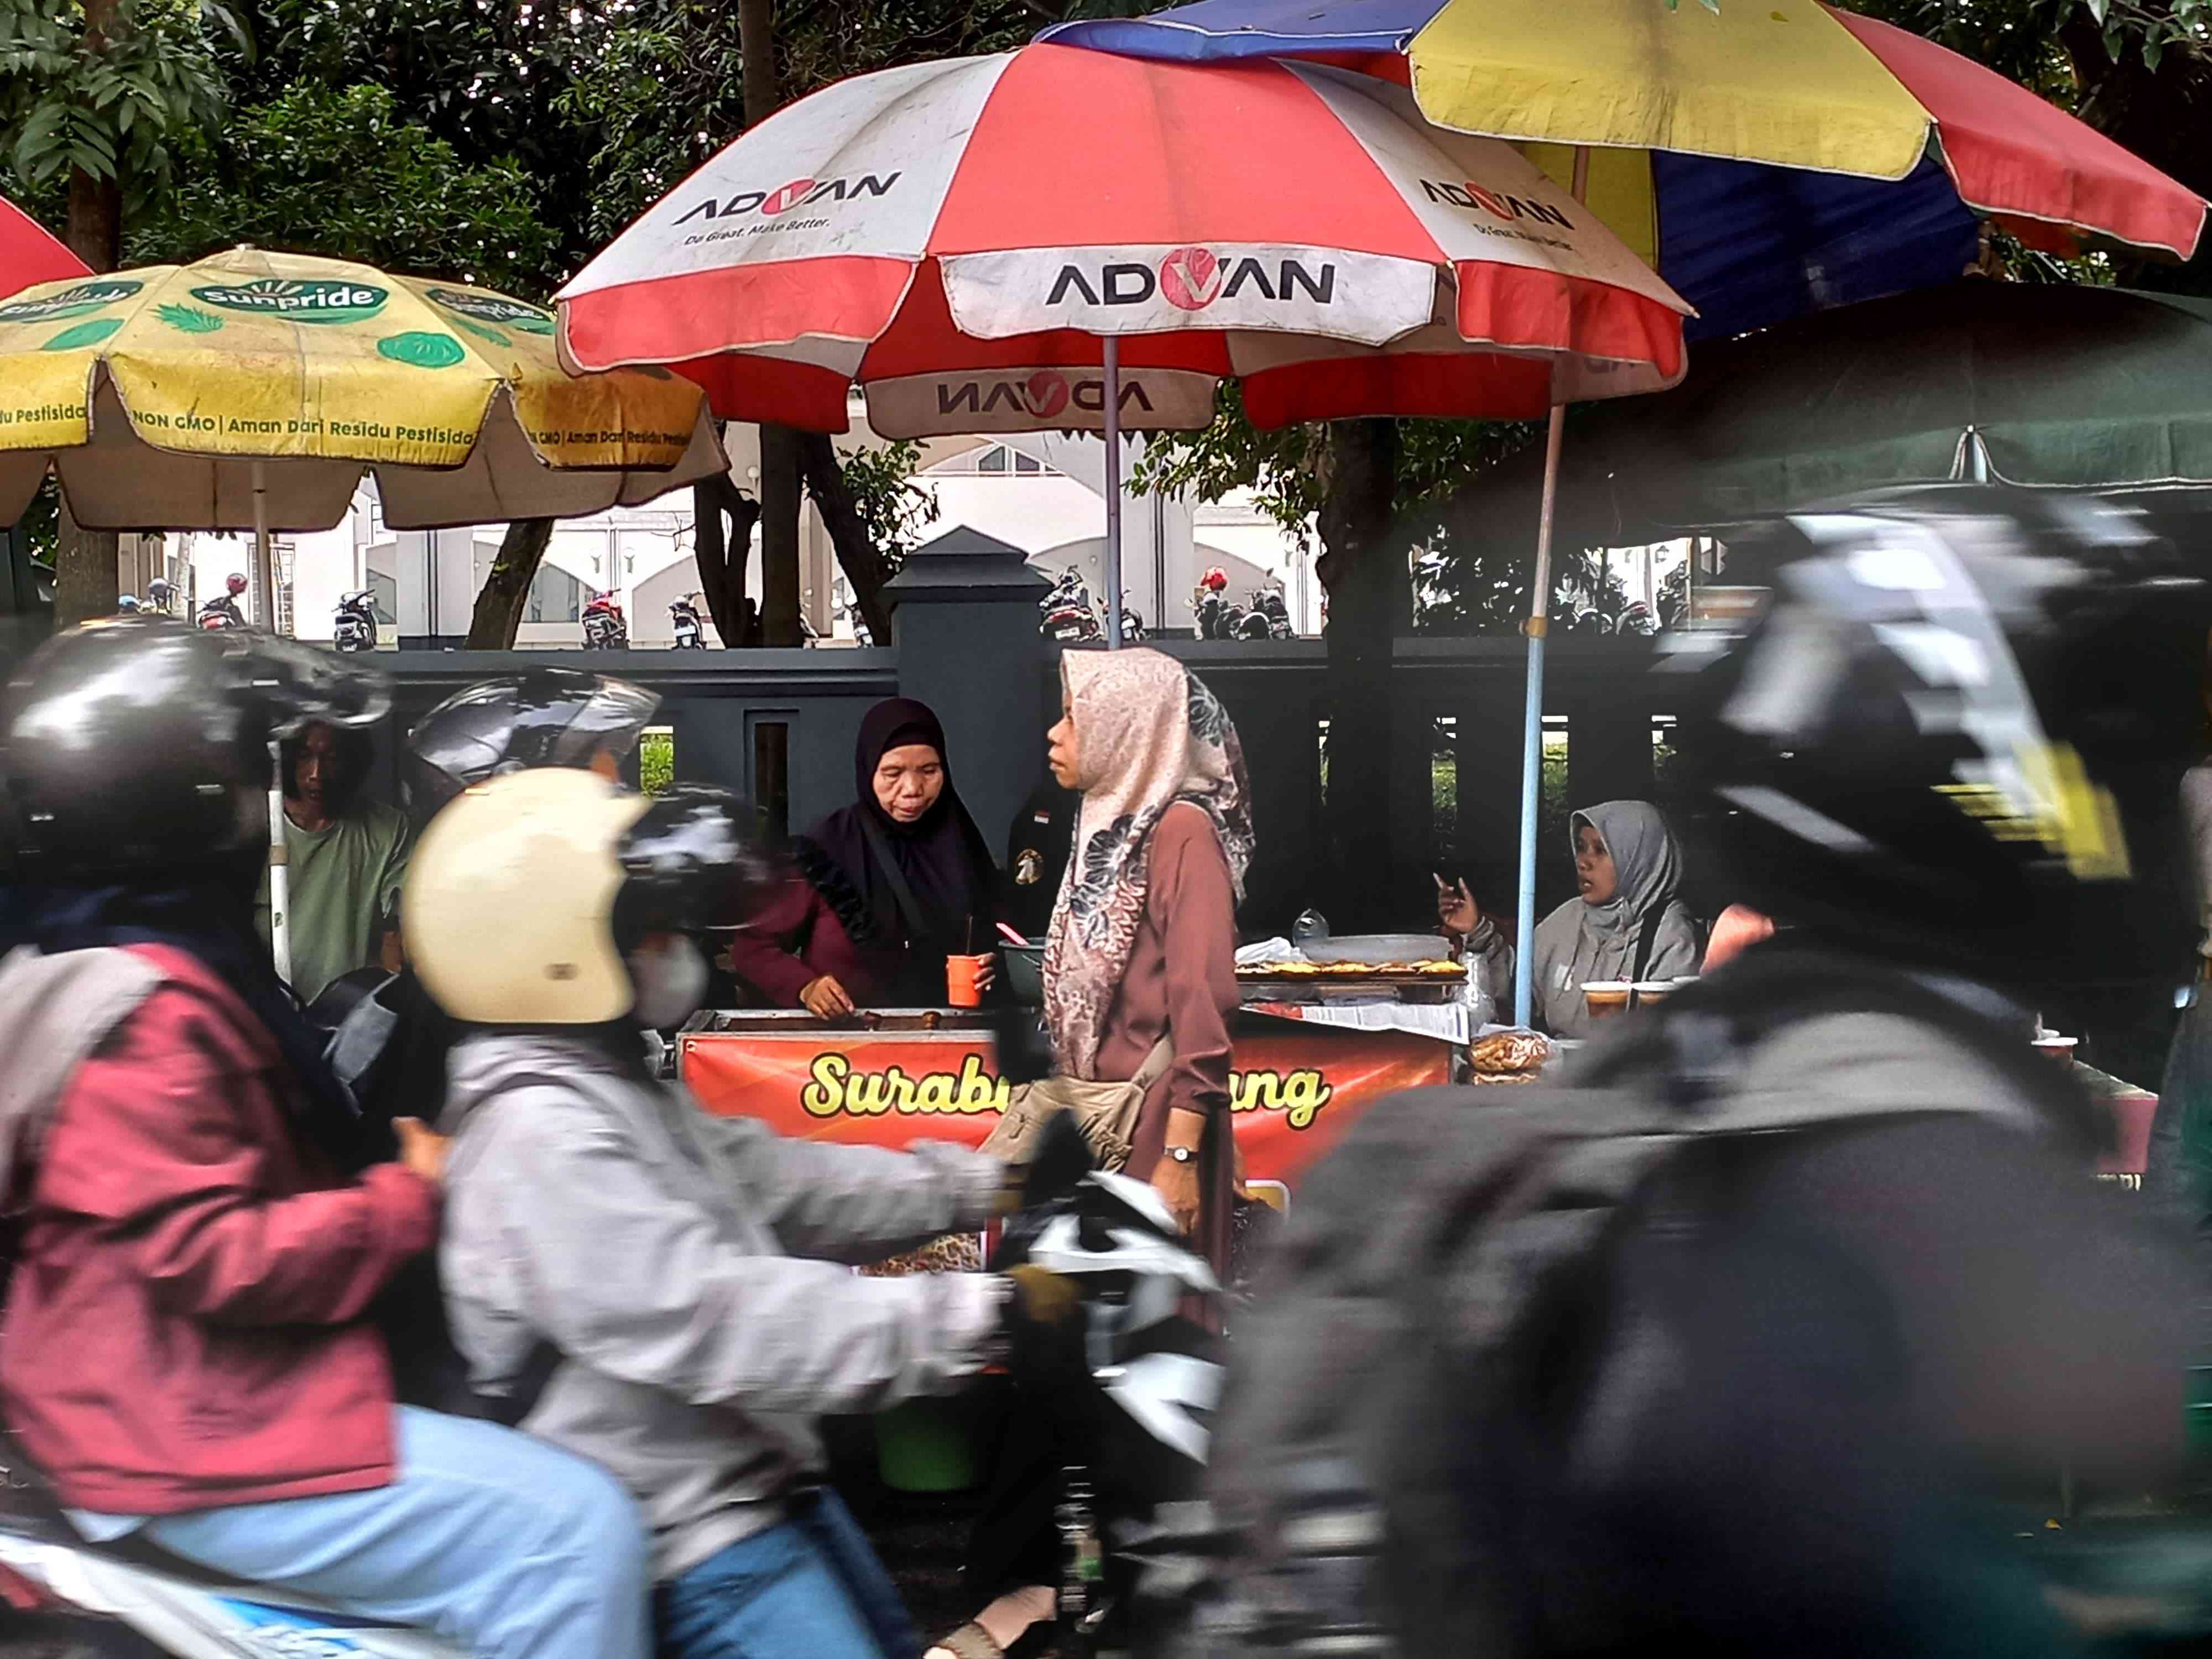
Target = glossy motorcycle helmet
(1215,581)
(136,746)
(526,896)
(234,584)
(1956,733)
(541,717)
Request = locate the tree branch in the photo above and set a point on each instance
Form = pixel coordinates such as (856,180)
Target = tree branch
(506,592)
(862,561)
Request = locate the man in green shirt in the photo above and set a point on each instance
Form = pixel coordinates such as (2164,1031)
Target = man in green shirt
(348,856)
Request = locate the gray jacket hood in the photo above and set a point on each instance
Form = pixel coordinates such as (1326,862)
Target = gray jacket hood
(56,1012)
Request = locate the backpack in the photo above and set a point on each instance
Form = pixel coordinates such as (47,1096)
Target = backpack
(1439,1270)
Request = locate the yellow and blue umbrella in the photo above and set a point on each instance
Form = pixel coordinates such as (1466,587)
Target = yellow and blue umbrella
(1768,158)
(1773,158)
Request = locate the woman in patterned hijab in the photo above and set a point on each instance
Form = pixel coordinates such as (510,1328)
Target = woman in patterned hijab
(1142,946)
(1143,940)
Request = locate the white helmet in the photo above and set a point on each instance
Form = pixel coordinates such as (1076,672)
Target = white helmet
(527,892)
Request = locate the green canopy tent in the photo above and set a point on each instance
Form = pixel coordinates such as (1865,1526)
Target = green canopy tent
(2045,384)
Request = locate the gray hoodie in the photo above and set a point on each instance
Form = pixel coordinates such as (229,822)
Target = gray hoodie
(55,1013)
(684,1267)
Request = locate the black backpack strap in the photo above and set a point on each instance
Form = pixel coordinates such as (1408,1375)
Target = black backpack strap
(917,931)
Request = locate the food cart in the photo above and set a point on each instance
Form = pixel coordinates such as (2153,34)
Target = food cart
(891,1076)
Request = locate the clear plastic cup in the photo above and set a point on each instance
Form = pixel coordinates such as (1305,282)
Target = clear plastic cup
(1605,998)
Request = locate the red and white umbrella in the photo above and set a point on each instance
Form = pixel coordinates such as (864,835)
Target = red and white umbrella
(29,255)
(964,241)
(1053,239)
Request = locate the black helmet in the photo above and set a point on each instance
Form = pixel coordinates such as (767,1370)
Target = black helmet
(136,745)
(541,717)
(1956,732)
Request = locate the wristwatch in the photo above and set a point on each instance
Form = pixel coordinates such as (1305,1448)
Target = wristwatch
(1183,1154)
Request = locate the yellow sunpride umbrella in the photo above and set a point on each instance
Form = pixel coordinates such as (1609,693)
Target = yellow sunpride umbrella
(250,390)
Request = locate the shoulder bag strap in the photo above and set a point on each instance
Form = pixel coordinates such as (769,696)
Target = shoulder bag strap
(1646,941)
(910,907)
(1156,1063)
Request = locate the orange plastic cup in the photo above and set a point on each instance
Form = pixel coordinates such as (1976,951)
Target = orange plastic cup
(961,990)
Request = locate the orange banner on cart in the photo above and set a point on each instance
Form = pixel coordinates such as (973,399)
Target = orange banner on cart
(1293,1094)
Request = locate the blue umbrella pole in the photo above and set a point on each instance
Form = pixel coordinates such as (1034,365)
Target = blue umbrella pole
(1112,354)
(1532,713)
(1532,731)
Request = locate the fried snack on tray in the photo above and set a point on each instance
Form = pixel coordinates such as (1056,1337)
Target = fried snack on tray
(1435,969)
(953,1253)
(1508,1056)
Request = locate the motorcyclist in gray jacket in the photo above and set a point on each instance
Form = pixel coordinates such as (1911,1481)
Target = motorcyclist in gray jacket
(680,1282)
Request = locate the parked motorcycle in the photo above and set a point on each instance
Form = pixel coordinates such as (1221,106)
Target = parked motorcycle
(1065,615)
(1132,625)
(1267,603)
(604,626)
(1215,616)
(355,629)
(221,611)
(690,631)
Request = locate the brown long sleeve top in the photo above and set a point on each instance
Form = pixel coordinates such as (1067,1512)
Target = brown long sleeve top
(1183,976)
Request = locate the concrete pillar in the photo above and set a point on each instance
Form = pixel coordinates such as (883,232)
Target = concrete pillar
(964,620)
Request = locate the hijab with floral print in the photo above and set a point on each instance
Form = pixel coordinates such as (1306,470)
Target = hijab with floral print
(1148,733)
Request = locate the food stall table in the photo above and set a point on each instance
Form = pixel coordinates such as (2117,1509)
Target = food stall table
(896,1076)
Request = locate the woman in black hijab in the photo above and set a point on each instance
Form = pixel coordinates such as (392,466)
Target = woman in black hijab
(887,888)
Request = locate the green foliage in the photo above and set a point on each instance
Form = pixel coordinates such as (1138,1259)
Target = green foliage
(338,172)
(656,760)
(895,510)
(662,91)
(2022,39)
(1462,585)
(114,109)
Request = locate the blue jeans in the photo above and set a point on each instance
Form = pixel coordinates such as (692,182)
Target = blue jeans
(503,1545)
(810,1589)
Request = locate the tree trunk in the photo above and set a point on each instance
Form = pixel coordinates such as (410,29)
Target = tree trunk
(778,530)
(779,464)
(862,561)
(505,593)
(723,517)
(85,582)
(1362,569)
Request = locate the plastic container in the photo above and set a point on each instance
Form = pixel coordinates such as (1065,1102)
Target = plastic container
(1024,970)
(936,1443)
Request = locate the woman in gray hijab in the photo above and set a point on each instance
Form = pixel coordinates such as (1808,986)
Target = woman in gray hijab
(1625,924)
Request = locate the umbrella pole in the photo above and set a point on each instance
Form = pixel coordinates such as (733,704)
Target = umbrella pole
(1112,355)
(1532,715)
(264,612)
(264,580)
(280,885)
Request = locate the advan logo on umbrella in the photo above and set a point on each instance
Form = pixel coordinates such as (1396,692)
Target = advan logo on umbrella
(1042,395)
(799,193)
(302,301)
(1191,278)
